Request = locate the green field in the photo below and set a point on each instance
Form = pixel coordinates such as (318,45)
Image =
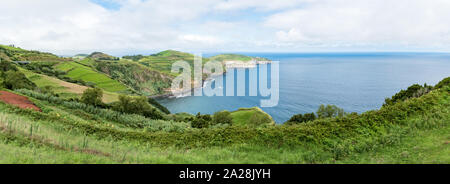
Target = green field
(65,89)
(87,74)
(243,115)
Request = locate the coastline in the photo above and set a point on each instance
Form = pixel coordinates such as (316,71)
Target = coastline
(227,65)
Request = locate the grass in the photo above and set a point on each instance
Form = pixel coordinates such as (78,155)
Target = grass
(243,115)
(65,89)
(230,57)
(411,131)
(87,74)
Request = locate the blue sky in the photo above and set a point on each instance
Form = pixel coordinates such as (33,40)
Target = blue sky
(146,26)
(108,4)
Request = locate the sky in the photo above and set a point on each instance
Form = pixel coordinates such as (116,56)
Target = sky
(122,27)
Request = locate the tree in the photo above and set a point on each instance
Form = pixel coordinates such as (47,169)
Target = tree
(16,80)
(223,117)
(92,96)
(330,111)
(299,118)
(309,117)
(413,91)
(136,105)
(6,66)
(201,121)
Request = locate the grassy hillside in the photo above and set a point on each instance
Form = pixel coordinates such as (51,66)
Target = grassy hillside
(235,57)
(251,116)
(64,89)
(413,130)
(10,53)
(140,78)
(87,74)
(163,61)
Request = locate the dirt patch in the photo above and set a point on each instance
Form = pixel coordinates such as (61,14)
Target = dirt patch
(17,100)
(74,88)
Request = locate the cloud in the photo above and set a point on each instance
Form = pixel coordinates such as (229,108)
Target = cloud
(263,5)
(74,26)
(405,23)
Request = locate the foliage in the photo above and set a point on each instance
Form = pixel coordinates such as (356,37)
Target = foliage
(412,131)
(17,80)
(92,96)
(413,91)
(12,78)
(136,105)
(158,105)
(140,78)
(259,119)
(133,58)
(330,111)
(129,120)
(222,117)
(201,121)
(300,118)
(442,83)
(101,56)
(18,54)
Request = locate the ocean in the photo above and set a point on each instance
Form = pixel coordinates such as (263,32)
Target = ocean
(356,82)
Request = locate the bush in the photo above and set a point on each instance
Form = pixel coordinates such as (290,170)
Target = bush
(223,117)
(299,118)
(259,119)
(413,91)
(330,111)
(442,83)
(16,80)
(158,105)
(92,96)
(137,105)
(201,121)
(129,120)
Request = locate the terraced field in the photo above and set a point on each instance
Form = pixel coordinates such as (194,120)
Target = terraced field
(64,89)
(87,74)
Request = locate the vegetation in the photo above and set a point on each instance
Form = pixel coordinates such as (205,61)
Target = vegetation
(413,91)
(12,53)
(136,105)
(12,78)
(90,77)
(138,77)
(222,117)
(251,117)
(93,97)
(411,127)
(235,57)
(410,131)
(330,111)
(300,118)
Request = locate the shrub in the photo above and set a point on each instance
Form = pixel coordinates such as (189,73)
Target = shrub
(442,83)
(138,105)
(259,119)
(92,96)
(413,91)
(223,117)
(299,118)
(158,105)
(129,120)
(16,80)
(330,111)
(201,121)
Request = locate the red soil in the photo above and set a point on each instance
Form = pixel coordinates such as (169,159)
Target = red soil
(17,100)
